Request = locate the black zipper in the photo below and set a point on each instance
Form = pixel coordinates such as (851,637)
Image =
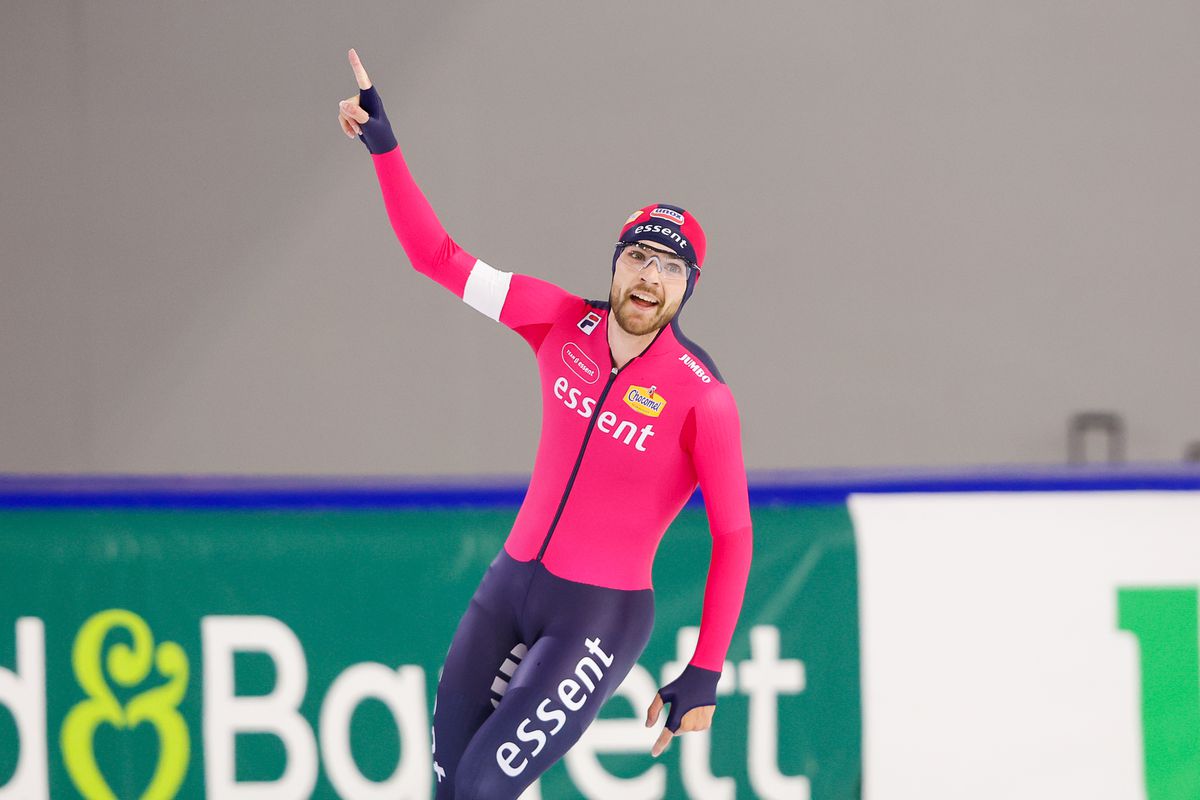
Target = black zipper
(612,378)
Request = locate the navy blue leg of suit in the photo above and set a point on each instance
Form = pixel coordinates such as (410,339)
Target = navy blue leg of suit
(533,660)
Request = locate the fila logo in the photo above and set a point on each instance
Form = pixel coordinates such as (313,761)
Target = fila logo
(645,401)
(669,214)
(589,322)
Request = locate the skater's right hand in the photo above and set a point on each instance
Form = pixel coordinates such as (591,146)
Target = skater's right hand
(362,114)
(350,113)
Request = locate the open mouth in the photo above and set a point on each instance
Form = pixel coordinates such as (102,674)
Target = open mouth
(643,300)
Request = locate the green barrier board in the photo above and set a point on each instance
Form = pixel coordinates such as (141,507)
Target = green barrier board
(144,617)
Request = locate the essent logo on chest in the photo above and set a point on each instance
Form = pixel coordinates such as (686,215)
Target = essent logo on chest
(607,422)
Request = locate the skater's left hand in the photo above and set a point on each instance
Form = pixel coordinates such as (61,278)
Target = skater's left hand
(698,719)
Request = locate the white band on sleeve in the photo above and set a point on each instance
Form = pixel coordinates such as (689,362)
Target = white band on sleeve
(486,289)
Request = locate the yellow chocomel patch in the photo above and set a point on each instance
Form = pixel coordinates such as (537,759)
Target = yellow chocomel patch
(645,401)
(633,216)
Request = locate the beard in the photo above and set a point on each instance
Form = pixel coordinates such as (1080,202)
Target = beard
(638,321)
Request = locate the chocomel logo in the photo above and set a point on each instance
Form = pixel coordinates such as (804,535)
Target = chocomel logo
(645,401)
(668,213)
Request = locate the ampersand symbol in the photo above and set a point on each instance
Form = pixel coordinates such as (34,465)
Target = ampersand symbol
(128,667)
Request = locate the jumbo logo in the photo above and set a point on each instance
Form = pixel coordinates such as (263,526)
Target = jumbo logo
(645,401)
(129,667)
(580,364)
(669,214)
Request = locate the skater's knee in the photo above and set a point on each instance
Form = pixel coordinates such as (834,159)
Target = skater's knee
(472,784)
(481,777)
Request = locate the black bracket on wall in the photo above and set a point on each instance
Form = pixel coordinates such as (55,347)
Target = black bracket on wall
(1109,424)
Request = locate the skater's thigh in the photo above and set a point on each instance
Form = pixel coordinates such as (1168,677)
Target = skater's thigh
(484,654)
(559,690)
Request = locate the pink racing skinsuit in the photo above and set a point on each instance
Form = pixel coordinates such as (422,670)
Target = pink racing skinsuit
(620,453)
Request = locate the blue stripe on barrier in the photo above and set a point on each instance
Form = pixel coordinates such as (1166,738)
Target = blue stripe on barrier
(766,488)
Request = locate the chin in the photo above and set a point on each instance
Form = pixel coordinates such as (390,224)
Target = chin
(660,320)
(638,330)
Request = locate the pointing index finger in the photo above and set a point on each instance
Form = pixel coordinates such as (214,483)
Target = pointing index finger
(360,74)
(664,741)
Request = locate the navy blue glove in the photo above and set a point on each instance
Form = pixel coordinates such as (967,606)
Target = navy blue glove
(377,131)
(696,687)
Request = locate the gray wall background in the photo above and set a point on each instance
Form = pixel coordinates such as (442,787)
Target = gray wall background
(936,229)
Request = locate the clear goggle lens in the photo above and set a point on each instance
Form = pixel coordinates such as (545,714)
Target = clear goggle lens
(637,256)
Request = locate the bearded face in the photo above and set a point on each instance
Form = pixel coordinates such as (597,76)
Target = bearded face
(641,310)
(641,301)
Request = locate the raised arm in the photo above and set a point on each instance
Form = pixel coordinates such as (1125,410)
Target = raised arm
(525,304)
(429,248)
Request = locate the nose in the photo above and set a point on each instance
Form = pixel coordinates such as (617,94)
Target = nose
(651,275)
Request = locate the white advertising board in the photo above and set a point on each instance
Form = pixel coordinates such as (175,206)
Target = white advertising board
(995,663)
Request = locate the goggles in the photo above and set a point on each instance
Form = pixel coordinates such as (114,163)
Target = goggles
(636,256)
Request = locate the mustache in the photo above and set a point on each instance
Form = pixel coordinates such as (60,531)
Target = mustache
(648,292)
